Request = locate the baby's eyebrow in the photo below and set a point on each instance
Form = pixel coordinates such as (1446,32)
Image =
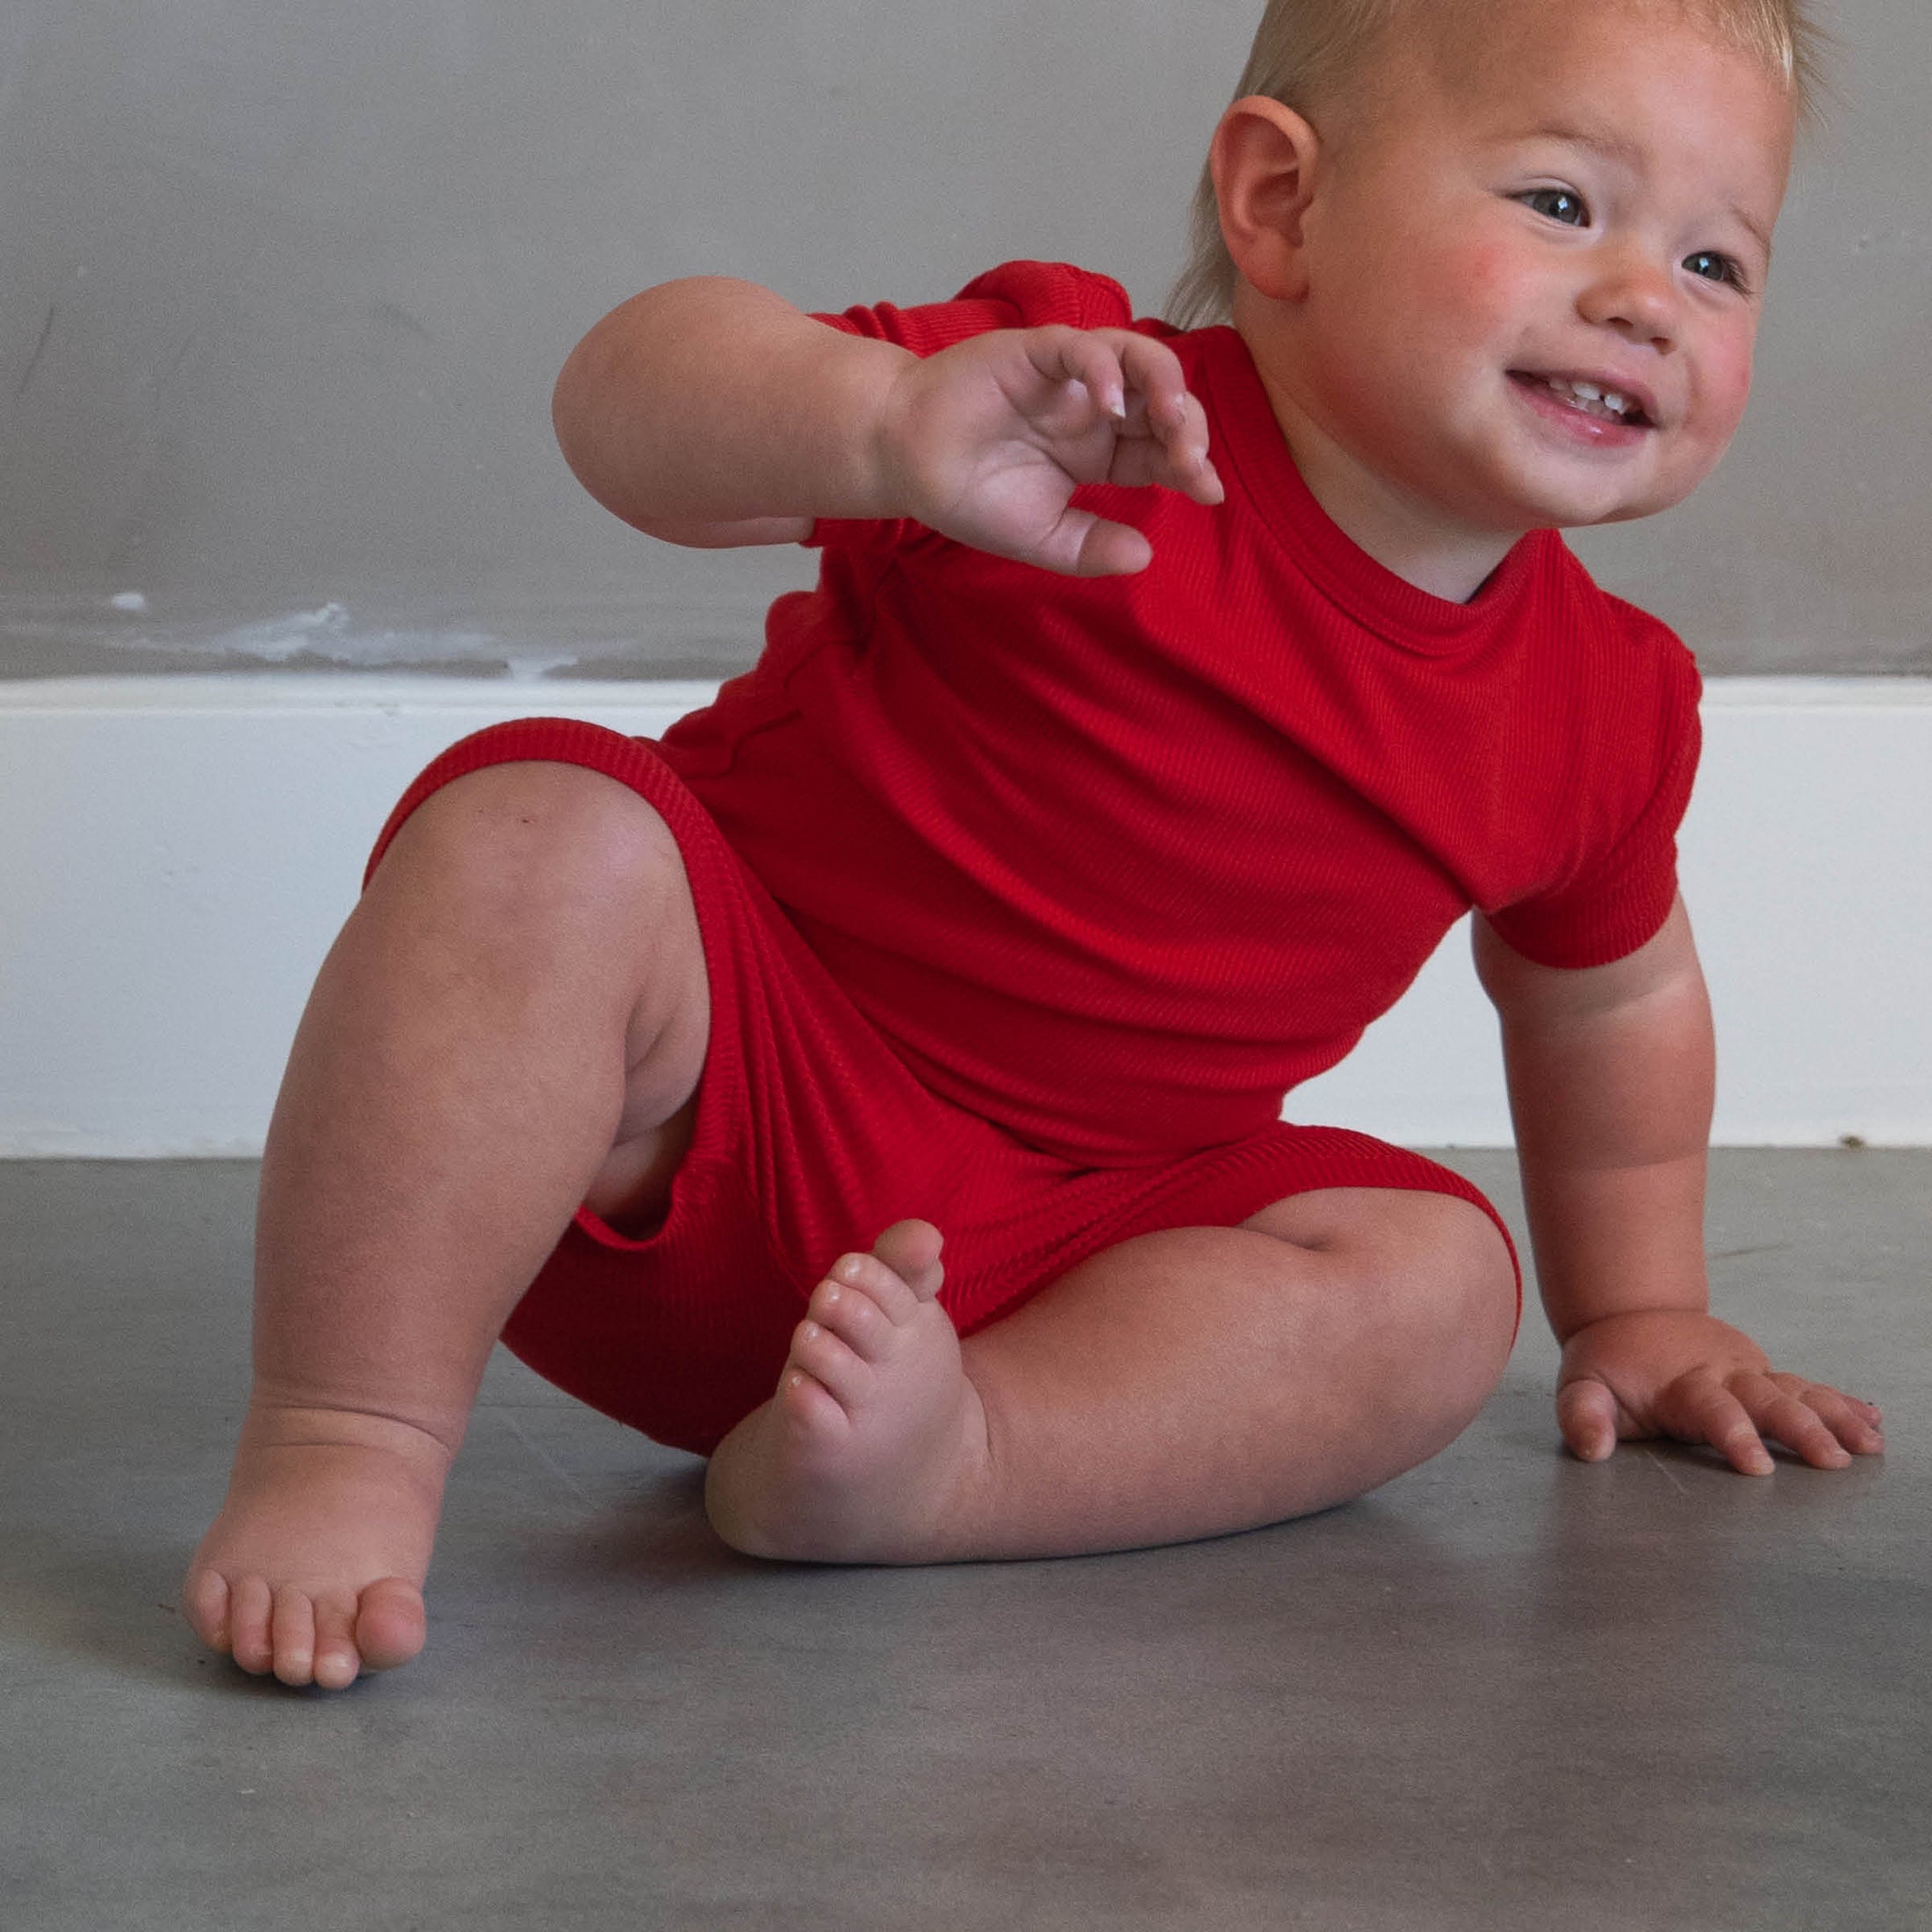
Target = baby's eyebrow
(1755,228)
(1618,147)
(1603,140)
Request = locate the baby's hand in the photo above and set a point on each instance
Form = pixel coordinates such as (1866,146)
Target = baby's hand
(1675,1373)
(986,442)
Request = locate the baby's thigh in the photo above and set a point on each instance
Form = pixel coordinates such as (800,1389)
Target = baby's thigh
(586,876)
(571,874)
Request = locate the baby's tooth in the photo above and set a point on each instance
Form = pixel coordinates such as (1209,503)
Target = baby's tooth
(1615,400)
(1588,392)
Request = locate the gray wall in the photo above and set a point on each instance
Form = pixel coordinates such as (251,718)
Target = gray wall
(284,287)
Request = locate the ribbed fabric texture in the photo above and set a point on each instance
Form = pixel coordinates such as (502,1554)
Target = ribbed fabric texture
(1117,862)
(811,1136)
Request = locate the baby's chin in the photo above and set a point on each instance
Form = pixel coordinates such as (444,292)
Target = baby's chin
(1635,512)
(1556,507)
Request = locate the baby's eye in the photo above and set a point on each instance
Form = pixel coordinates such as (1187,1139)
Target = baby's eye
(1557,204)
(1713,267)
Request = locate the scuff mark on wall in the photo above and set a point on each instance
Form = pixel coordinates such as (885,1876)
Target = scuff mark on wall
(39,350)
(330,633)
(329,636)
(395,316)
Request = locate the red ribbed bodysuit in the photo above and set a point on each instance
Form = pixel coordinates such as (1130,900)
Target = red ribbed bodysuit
(1027,898)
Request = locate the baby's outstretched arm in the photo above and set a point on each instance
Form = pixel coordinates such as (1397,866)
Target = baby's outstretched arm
(1610,1080)
(712,412)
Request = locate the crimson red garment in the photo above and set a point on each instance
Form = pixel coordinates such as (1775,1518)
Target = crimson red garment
(1035,895)
(811,1138)
(1116,863)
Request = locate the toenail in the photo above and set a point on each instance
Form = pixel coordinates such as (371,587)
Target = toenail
(808,1331)
(849,1269)
(831,1294)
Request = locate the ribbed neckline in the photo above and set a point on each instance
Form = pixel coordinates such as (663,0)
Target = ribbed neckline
(1394,609)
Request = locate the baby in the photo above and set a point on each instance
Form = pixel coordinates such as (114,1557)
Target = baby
(1167,696)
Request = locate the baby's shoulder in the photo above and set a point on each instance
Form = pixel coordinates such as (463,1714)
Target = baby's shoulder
(1634,639)
(1651,640)
(1022,295)
(1044,292)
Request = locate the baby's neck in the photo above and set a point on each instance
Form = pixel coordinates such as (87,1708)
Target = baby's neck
(1406,535)
(1400,533)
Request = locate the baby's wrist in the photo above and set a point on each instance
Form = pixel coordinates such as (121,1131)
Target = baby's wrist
(889,465)
(1568,1323)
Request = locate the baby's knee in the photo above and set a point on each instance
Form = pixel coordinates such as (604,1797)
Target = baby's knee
(1438,1316)
(1431,1290)
(1476,1308)
(1446,1308)
(535,836)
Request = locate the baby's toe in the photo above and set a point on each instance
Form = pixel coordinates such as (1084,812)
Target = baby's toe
(205,1604)
(337,1662)
(865,1278)
(854,1306)
(251,1641)
(911,1250)
(806,1403)
(293,1628)
(390,1623)
(830,1362)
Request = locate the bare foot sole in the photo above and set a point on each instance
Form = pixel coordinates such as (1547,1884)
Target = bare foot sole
(313,1570)
(873,1443)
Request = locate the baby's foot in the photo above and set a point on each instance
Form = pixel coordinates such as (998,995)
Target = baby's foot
(315,1567)
(875,1441)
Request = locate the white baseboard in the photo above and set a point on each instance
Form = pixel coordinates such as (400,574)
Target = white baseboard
(179,851)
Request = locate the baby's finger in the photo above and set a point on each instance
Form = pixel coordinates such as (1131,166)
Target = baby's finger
(1142,460)
(1586,1413)
(1779,1415)
(1174,416)
(1082,544)
(1851,1421)
(1073,355)
(1859,1425)
(1154,372)
(1700,1409)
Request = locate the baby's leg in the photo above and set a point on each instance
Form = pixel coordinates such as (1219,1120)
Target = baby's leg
(514,1019)
(1180,1385)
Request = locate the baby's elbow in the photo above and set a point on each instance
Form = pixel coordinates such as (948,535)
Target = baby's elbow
(738,535)
(577,401)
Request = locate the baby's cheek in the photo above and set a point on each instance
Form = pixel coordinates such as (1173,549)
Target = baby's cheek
(1482,283)
(1726,386)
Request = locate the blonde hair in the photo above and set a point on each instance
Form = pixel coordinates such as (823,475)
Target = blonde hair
(1308,53)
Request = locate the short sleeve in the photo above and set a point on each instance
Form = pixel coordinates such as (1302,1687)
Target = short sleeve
(1016,295)
(1618,902)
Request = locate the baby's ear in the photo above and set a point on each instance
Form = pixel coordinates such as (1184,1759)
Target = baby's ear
(1263,159)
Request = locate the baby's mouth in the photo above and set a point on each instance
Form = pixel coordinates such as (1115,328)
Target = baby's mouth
(1592,399)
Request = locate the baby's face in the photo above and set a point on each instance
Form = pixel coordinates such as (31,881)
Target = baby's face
(1534,282)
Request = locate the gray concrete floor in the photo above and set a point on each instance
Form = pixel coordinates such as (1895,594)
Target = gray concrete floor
(1507,1692)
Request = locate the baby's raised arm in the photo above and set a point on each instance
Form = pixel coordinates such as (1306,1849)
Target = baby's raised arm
(712,412)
